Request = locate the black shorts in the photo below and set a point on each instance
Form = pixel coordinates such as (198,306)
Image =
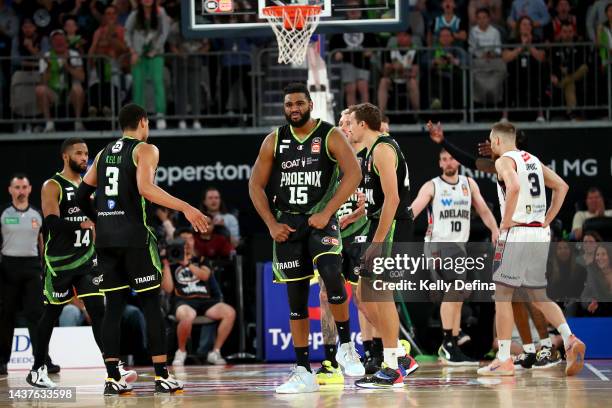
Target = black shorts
(351,254)
(65,285)
(136,268)
(294,259)
(401,231)
(201,306)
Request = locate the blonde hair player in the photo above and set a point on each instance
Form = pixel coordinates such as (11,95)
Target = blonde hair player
(522,249)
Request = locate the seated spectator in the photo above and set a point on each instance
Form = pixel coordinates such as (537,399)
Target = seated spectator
(563,16)
(445,73)
(599,289)
(597,15)
(74,314)
(146,31)
(604,38)
(596,207)
(62,75)
(196,293)
(487,64)
(401,66)
(215,206)
(27,47)
(569,67)
(75,40)
(526,70)
(448,20)
(108,57)
(213,245)
(565,276)
(355,61)
(494,7)
(187,68)
(589,245)
(537,12)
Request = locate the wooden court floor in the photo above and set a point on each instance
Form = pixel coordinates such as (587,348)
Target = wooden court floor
(253,386)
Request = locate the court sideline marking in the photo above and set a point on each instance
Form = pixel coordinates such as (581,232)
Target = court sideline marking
(598,373)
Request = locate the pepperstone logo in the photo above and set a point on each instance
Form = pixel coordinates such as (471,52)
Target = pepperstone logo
(171,175)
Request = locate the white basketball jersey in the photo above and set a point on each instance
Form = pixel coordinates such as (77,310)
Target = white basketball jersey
(449,211)
(531,204)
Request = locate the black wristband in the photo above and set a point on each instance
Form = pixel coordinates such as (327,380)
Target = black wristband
(59,225)
(86,204)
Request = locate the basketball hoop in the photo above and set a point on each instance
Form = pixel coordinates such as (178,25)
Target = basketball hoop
(293,25)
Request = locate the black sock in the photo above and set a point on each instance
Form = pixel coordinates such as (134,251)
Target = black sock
(367,348)
(448,338)
(112,369)
(330,353)
(344,332)
(377,347)
(302,357)
(161,370)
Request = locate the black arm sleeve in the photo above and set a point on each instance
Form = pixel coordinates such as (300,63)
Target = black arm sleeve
(83,197)
(461,156)
(59,225)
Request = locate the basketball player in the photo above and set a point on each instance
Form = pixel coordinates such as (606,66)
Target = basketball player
(387,190)
(450,198)
(545,357)
(122,176)
(68,257)
(352,224)
(305,157)
(522,249)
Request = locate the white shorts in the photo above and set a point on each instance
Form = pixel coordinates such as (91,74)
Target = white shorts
(521,256)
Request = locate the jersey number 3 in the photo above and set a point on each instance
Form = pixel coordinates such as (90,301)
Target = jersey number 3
(112,175)
(535,184)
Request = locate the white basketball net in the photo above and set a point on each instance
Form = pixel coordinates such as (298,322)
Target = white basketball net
(292,39)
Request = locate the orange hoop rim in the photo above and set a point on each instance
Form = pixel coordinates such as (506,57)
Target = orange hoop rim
(291,10)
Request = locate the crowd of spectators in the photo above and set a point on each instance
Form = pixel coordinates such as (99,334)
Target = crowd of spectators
(83,57)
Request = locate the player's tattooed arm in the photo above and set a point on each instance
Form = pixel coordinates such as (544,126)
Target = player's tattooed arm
(341,150)
(257,190)
(506,171)
(328,325)
(423,198)
(147,158)
(559,190)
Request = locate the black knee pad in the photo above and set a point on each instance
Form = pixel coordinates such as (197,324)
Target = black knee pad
(330,270)
(297,293)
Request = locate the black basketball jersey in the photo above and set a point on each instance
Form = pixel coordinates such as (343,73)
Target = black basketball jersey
(67,251)
(373,188)
(306,176)
(122,211)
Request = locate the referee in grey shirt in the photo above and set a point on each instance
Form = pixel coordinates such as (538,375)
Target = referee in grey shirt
(20,268)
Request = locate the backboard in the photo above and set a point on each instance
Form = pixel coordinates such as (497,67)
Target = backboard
(233,18)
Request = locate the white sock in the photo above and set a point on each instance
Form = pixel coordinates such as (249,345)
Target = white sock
(390,357)
(565,331)
(503,353)
(401,351)
(529,348)
(547,342)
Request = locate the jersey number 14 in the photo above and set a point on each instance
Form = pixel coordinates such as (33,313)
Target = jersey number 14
(82,238)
